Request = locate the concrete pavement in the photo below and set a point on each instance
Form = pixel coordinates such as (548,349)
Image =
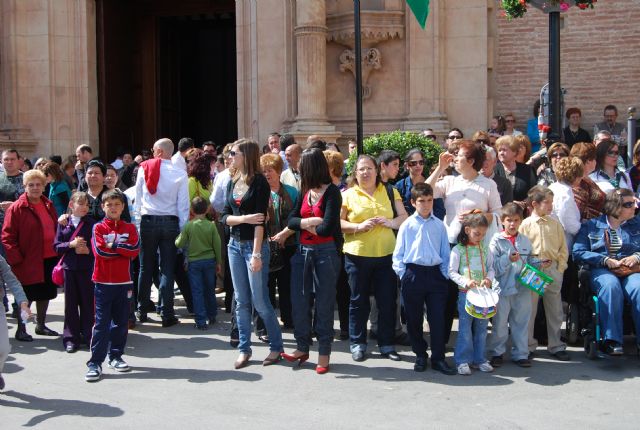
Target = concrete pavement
(183,377)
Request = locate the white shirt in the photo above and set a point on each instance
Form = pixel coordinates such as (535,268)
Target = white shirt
(602,180)
(171,197)
(117,164)
(179,161)
(566,210)
(289,178)
(462,195)
(219,193)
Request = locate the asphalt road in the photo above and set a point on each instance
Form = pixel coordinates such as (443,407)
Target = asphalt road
(184,378)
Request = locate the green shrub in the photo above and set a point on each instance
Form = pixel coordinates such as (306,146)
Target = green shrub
(401,142)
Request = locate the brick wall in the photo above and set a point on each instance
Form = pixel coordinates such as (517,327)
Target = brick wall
(600,60)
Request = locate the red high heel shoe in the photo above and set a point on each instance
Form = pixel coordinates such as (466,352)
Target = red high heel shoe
(292,358)
(321,370)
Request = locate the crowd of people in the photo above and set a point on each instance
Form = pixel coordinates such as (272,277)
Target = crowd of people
(289,233)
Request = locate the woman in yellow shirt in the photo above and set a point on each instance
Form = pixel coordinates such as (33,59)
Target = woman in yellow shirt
(368,220)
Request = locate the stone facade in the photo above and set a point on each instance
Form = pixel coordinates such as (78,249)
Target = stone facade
(295,67)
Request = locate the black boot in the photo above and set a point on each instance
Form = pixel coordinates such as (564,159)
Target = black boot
(21,333)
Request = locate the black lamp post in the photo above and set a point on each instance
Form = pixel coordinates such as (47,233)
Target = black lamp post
(358,49)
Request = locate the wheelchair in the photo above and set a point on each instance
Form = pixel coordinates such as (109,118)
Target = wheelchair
(583,318)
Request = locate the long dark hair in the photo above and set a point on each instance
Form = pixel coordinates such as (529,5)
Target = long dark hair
(200,169)
(601,152)
(314,170)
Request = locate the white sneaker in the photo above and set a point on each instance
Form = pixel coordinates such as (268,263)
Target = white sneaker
(119,365)
(463,369)
(485,367)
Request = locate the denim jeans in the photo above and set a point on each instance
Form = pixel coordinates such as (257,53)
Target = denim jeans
(472,336)
(371,275)
(157,234)
(251,289)
(314,270)
(612,292)
(202,278)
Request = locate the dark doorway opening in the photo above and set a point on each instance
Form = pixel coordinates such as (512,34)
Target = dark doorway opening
(165,69)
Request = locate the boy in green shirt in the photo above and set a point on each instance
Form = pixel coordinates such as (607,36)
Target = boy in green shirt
(200,237)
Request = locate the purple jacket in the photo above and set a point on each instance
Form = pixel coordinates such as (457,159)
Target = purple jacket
(73,261)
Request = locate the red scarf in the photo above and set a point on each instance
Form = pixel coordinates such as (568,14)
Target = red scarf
(151,170)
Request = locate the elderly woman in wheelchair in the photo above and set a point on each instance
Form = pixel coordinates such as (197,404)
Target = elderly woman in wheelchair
(610,246)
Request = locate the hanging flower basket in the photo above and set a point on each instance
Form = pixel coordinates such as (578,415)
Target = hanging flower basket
(517,8)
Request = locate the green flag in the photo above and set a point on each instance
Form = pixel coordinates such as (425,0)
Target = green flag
(420,9)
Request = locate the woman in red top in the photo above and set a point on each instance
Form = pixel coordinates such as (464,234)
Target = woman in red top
(315,265)
(27,235)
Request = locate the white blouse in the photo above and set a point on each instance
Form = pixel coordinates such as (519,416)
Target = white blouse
(566,210)
(461,195)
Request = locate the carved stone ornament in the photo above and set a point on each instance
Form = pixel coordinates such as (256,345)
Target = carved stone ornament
(371,60)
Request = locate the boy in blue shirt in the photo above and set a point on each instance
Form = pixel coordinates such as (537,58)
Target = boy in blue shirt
(421,260)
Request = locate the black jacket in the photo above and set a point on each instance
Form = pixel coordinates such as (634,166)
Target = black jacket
(525,179)
(331,205)
(256,200)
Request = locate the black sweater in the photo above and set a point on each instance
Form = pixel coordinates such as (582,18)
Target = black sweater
(330,226)
(256,200)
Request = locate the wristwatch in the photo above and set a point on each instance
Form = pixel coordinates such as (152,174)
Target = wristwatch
(256,255)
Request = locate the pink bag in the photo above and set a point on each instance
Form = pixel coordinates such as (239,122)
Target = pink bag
(57,275)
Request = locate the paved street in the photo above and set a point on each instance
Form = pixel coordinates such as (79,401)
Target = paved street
(182,377)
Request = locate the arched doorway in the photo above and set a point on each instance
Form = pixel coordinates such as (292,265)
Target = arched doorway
(165,69)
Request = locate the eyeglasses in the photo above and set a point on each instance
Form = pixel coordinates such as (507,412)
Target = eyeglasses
(234,153)
(612,153)
(510,120)
(482,141)
(454,137)
(558,155)
(431,136)
(415,163)
(628,205)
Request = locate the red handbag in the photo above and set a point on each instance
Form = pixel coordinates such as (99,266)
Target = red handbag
(57,275)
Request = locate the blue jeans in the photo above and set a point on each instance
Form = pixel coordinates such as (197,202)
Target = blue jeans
(202,278)
(371,275)
(472,336)
(251,289)
(314,270)
(612,292)
(157,234)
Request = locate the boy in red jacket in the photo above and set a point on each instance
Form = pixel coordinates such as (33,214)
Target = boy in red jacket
(115,243)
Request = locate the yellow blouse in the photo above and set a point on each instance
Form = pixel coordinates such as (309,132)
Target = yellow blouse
(379,241)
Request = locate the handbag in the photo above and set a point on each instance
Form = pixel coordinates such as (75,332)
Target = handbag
(622,271)
(276,259)
(57,275)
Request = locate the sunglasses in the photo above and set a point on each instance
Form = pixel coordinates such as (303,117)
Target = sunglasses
(415,163)
(628,205)
(510,120)
(454,137)
(612,153)
(431,136)
(483,141)
(558,155)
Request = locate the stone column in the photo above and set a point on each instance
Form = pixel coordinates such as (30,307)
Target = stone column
(311,71)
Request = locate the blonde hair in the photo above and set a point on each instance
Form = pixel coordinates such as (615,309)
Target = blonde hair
(508,141)
(335,162)
(32,174)
(272,161)
(569,169)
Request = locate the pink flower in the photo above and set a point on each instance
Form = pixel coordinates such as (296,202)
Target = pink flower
(564,7)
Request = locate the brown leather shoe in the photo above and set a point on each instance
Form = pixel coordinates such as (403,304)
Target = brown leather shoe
(242,361)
